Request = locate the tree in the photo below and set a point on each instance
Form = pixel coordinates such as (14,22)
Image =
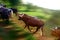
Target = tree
(30,7)
(15,3)
(12,3)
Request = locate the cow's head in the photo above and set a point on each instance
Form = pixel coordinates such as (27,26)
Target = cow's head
(21,16)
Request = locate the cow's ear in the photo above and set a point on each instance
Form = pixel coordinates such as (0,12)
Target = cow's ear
(21,15)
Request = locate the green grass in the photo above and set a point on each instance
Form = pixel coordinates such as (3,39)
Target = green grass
(40,15)
(13,34)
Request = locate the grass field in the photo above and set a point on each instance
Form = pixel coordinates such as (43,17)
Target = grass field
(15,29)
(24,33)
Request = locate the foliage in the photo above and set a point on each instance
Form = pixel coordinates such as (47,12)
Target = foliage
(30,7)
(12,3)
(15,2)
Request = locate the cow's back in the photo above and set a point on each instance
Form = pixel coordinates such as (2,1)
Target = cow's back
(32,21)
(5,12)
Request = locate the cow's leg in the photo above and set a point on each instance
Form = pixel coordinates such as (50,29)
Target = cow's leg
(42,30)
(29,29)
(25,26)
(7,20)
(36,30)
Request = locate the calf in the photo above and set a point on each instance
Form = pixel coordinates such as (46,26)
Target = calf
(32,21)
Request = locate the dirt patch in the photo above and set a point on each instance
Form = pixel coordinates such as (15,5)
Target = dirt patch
(46,38)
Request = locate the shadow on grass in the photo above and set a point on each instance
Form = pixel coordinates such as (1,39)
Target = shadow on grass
(5,23)
(27,36)
(12,34)
(24,35)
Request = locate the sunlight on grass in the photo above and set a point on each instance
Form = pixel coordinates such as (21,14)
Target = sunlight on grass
(38,14)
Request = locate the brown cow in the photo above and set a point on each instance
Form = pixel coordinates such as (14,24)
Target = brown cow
(56,32)
(32,21)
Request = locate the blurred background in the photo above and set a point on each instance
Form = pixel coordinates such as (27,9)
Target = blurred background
(48,11)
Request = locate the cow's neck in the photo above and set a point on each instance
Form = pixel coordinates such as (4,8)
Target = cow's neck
(25,18)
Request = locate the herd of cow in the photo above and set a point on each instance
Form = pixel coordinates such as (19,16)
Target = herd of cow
(7,13)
